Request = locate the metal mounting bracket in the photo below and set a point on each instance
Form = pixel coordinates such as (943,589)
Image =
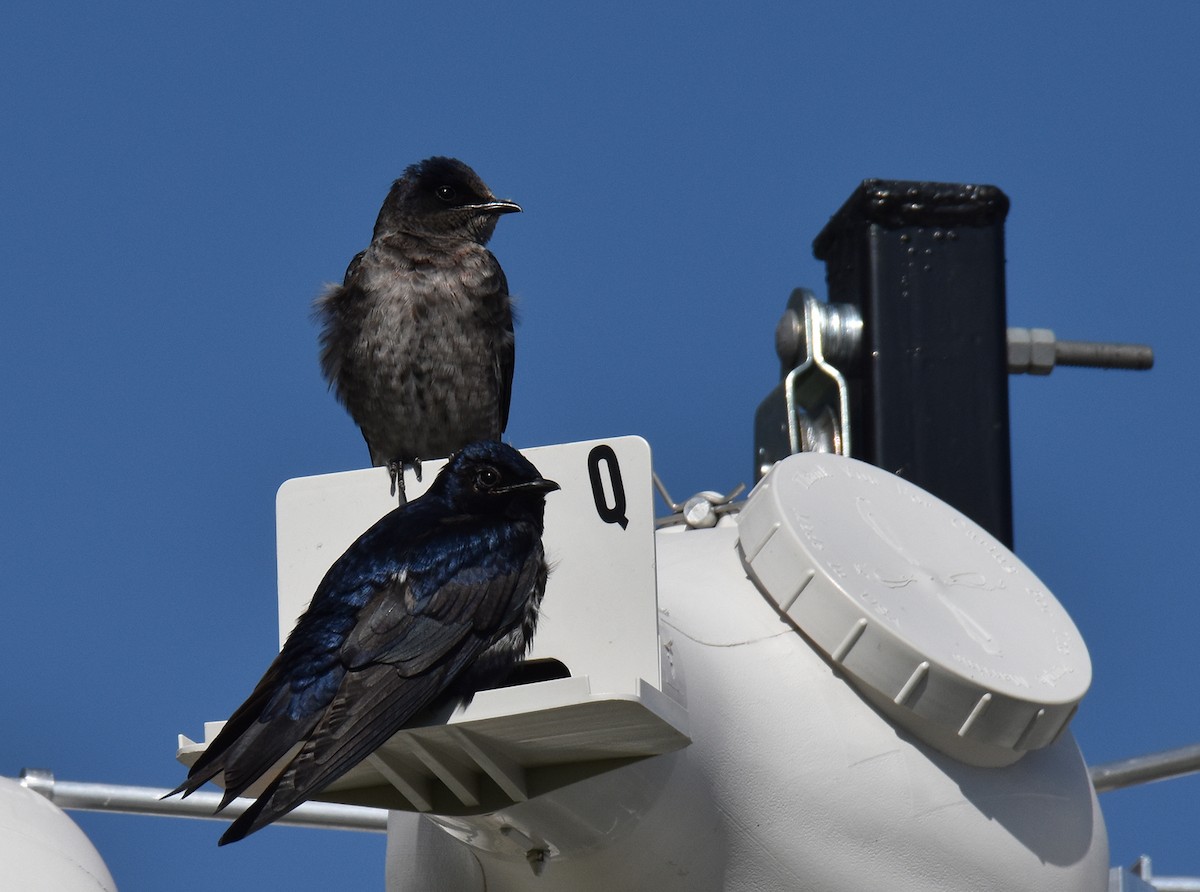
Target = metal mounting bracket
(809,411)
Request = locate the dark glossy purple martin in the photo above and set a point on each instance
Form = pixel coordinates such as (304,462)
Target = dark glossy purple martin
(417,342)
(436,601)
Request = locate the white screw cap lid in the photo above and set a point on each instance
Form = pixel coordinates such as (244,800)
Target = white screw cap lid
(933,619)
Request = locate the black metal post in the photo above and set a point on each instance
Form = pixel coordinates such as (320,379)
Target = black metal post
(924,264)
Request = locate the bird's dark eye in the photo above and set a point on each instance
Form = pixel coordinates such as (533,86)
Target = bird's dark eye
(447,193)
(486,478)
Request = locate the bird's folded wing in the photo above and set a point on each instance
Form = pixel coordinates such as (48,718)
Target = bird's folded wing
(413,634)
(371,706)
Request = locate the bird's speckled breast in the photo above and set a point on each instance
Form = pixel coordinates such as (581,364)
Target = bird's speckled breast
(423,367)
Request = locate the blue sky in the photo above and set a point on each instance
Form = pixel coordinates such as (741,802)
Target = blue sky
(177,182)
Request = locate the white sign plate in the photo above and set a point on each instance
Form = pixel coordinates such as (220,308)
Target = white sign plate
(600,613)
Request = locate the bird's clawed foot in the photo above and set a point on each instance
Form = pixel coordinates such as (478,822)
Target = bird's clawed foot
(396,470)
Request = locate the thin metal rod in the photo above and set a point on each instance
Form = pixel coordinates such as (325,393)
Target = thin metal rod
(1175,884)
(1143,769)
(1036,351)
(148,801)
(1104,356)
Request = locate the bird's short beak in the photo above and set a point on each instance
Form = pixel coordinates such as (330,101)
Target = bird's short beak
(500,206)
(541,485)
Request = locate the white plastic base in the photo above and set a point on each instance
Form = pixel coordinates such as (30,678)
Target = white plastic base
(792,781)
(508,745)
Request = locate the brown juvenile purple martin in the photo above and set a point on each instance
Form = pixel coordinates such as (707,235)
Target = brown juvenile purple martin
(417,342)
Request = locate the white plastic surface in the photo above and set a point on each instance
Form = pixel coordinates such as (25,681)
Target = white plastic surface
(43,850)
(939,624)
(508,745)
(792,782)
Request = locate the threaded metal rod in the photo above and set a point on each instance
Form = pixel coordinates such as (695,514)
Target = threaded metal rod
(1104,356)
(1036,351)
